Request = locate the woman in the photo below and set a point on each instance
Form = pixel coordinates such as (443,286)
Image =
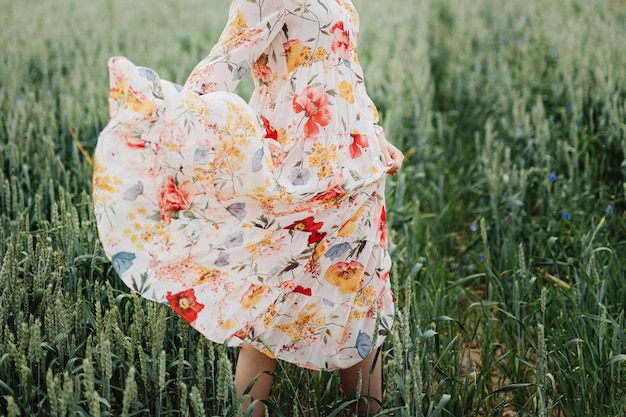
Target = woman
(262,224)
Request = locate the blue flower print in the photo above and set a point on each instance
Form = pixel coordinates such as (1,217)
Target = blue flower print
(134,191)
(122,261)
(222,259)
(233,240)
(363,344)
(257,160)
(299,176)
(238,210)
(202,155)
(337,250)
(241,70)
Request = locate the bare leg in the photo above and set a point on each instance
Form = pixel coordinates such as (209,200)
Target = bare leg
(371,384)
(251,363)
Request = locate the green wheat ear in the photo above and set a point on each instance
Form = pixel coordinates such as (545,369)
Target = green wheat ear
(197,405)
(225,378)
(130,393)
(93,399)
(183,393)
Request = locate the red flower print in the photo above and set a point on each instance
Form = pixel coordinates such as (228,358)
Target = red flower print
(381,232)
(309,225)
(301,290)
(261,71)
(171,198)
(135,143)
(130,139)
(341,40)
(359,142)
(270,132)
(334,193)
(243,332)
(185,304)
(314,103)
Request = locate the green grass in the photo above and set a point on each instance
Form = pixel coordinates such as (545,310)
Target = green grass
(507,221)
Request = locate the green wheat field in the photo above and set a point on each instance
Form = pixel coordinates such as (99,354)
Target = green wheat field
(508,220)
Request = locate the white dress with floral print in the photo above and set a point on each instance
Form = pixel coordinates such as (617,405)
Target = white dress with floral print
(261,222)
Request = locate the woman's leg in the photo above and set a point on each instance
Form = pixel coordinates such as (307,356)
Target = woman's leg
(371,383)
(251,363)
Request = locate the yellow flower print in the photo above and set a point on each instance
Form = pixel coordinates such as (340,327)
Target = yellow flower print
(345,91)
(135,101)
(268,353)
(366,297)
(307,324)
(228,156)
(252,296)
(237,24)
(355,56)
(319,250)
(369,293)
(315,160)
(357,315)
(346,276)
(348,228)
(322,155)
(209,275)
(267,242)
(117,92)
(228,324)
(325,172)
(282,136)
(147,237)
(236,28)
(271,312)
(353,14)
(320,54)
(240,123)
(374,112)
(104,183)
(297,54)
(200,174)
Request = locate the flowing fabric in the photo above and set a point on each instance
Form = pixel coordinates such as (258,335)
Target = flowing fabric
(260,222)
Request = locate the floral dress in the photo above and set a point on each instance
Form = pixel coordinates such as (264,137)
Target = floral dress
(260,222)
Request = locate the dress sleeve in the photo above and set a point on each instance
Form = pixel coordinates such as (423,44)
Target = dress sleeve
(251,27)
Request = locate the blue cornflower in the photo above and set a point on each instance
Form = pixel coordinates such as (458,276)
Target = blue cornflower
(222,259)
(18,97)
(552,177)
(241,70)
(234,240)
(566,215)
(474,226)
(609,210)
(569,108)
(299,176)
(481,257)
